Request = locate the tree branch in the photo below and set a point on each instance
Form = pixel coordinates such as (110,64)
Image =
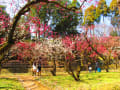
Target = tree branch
(94,49)
(70,9)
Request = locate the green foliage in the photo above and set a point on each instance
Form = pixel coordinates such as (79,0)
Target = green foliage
(97,14)
(115,21)
(114,7)
(114,33)
(93,14)
(1,6)
(60,22)
(89,16)
(33,12)
(67,25)
(3,10)
(103,7)
(74,3)
(3,31)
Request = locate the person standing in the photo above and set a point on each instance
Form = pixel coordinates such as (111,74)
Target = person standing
(89,66)
(96,66)
(34,69)
(39,68)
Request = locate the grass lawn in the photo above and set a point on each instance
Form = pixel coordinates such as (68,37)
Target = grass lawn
(89,81)
(10,84)
(63,81)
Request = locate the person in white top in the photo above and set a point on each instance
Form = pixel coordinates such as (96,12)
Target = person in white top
(34,69)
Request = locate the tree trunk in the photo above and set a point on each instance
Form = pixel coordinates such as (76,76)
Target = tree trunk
(116,63)
(53,71)
(107,68)
(36,35)
(78,71)
(0,67)
(39,33)
(4,48)
(116,66)
(76,77)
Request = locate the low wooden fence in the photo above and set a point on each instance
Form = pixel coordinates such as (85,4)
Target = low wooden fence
(20,67)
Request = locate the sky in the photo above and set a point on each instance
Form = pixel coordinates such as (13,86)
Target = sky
(12,6)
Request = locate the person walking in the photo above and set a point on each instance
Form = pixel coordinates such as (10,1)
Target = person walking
(39,68)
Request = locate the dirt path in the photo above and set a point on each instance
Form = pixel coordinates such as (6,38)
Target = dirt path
(29,83)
